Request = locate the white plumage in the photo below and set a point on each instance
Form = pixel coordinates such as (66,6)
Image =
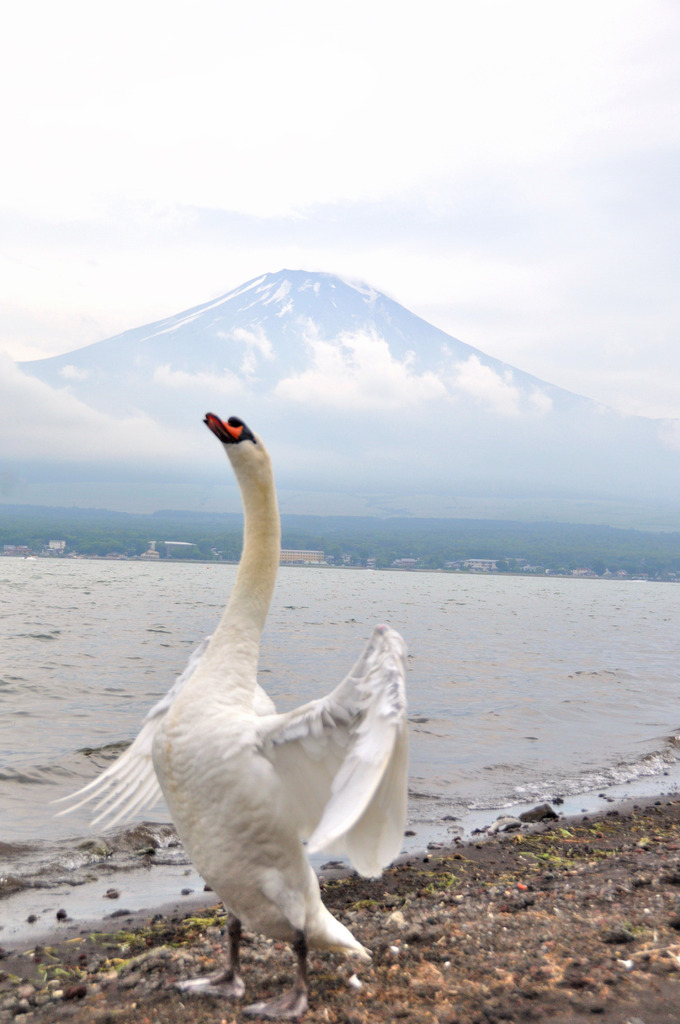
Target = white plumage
(245,785)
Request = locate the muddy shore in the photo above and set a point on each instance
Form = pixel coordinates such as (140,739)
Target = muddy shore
(566,921)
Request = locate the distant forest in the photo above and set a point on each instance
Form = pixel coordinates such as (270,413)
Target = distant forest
(353,540)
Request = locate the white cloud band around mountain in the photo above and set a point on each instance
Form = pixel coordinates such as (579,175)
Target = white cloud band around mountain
(358,371)
(498,392)
(70,372)
(256,347)
(50,424)
(225,383)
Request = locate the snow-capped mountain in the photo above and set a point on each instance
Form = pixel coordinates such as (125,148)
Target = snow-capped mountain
(292,335)
(354,395)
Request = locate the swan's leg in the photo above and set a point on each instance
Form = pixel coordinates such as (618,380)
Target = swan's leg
(291,1005)
(228,982)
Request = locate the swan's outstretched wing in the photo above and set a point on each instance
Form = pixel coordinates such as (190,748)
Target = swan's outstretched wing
(130,783)
(343,760)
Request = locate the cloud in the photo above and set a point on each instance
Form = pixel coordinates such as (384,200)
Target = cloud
(498,392)
(226,383)
(540,403)
(257,345)
(73,373)
(38,422)
(358,371)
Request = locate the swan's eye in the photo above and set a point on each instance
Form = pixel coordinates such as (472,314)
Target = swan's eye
(234,430)
(238,430)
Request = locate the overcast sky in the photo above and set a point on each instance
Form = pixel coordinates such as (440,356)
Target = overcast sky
(507,169)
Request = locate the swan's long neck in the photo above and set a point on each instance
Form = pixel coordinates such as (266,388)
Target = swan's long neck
(250,599)
(231,657)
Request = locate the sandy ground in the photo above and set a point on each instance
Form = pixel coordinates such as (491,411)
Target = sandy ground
(568,921)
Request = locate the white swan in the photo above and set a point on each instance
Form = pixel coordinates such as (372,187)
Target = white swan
(246,785)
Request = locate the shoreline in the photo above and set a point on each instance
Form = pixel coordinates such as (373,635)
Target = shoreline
(558,921)
(29,915)
(545,574)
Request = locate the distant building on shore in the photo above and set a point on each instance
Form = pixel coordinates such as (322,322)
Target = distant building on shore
(177,546)
(290,556)
(474,564)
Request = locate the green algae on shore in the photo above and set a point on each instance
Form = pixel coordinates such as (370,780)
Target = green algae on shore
(559,923)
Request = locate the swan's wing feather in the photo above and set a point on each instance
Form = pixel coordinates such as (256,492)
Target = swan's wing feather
(119,786)
(130,784)
(343,760)
(370,788)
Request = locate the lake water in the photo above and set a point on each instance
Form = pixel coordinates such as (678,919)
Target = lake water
(520,688)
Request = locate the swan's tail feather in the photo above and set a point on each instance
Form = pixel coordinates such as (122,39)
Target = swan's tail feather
(329,933)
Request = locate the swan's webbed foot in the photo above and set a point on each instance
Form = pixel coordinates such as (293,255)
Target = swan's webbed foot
(290,1005)
(224,984)
(228,983)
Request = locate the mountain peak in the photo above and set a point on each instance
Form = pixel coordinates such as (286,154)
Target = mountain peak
(294,286)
